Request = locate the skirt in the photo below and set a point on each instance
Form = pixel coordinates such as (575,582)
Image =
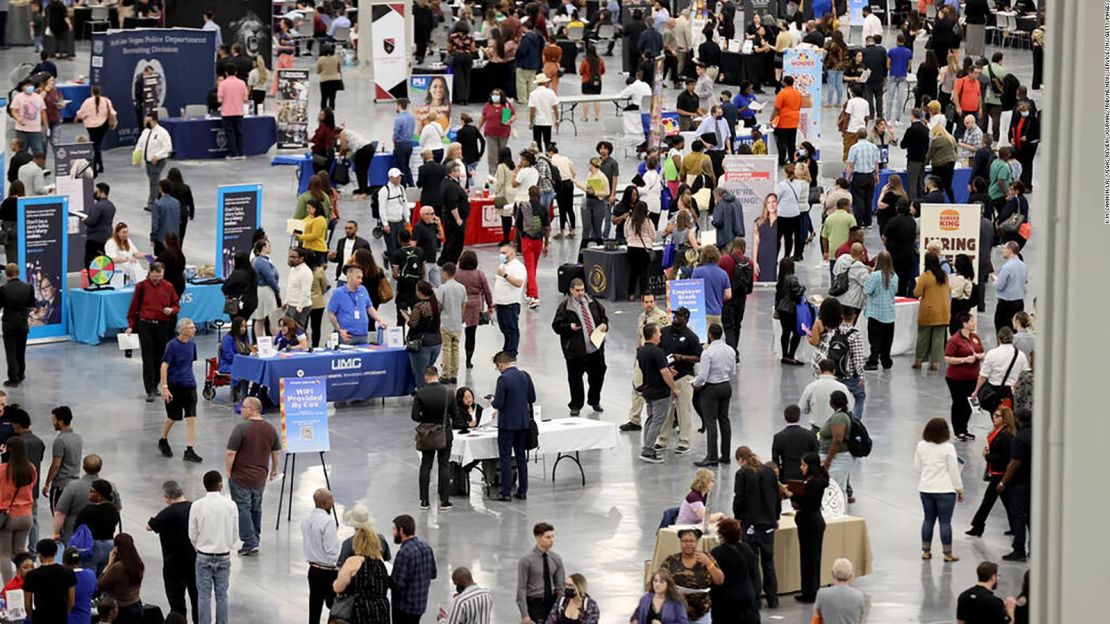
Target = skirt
(588,89)
(267,303)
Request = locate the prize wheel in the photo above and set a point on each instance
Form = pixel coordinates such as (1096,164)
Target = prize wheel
(101,270)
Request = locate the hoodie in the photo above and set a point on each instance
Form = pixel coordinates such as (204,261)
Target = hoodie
(728,219)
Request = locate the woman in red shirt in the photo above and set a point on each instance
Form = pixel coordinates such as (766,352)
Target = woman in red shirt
(496,125)
(963,353)
(997,454)
(17,482)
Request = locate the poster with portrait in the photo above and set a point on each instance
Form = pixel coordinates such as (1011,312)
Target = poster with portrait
(750,179)
(292,108)
(238,215)
(246,22)
(43,254)
(430,94)
(806,65)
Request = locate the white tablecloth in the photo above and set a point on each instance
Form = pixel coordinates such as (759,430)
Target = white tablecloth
(905,326)
(562,435)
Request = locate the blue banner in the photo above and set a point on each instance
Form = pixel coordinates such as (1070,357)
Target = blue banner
(183,63)
(238,215)
(806,65)
(304,415)
(689,294)
(43,253)
(855,13)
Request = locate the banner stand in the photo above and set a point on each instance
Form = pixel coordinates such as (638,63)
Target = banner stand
(238,215)
(287,475)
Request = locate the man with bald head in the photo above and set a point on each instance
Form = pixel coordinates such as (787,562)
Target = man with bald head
(508,288)
(321,551)
(472,604)
(75,497)
(852,263)
(426,235)
(253,451)
(179,575)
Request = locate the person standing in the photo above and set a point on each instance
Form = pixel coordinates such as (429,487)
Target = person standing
(179,389)
(757,505)
(233,95)
(253,451)
(17,299)
(739,269)
(496,123)
(898,68)
(508,288)
(432,405)
(17,482)
(513,399)
(1025,137)
(179,573)
(940,485)
(811,524)
(736,599)
(155,145)
(840,602)
(577,318)
(543,107)
(656,316)
(350,310)
(28,110)
(996,452)
(785,120)
(1016,482)
(862,169)
(213,521)
(916,143)
(98,222)
(533,227)
(880,289)
(404,125)
(1009,286)
(414,569)
(471,604)
(934,312)
(455,209)
(875,64)
(321,551)
(298,291)
(657,388)
(165,217)
(452,299)
(65,454)
(540,577)
(48,590)
(962,354)
(98,115)
(683,348)
(714,385)
(791,444)
(329,69)
(791,207)
(154,304)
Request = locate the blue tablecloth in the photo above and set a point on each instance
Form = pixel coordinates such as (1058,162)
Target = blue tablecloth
(199,138)
(76,94)
(352,374)
(961,178)
(95,313)
(379,168)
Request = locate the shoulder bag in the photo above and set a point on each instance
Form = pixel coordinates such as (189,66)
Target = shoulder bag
(433,436)
(990,395)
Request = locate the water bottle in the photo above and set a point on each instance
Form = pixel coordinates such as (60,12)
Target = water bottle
(84,278)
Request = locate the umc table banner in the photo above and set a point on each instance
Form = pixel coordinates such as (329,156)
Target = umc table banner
(41,227)
(238,215)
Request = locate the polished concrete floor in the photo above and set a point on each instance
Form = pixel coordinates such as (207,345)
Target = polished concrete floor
(604,530)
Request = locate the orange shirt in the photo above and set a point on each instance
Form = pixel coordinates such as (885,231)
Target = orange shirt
(789,104)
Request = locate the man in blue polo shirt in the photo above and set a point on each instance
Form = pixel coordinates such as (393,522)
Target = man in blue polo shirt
(512,399)
(350,310)
(898,68)
(179,389)
(718,286)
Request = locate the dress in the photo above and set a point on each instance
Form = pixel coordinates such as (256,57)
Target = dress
(552,56)
(368,588)
(768,252)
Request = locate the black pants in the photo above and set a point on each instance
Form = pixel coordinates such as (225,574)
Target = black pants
(639,259)
(863,191)
(15,350)
(990,495)
(790,338)
(1038,67)
(153,336)
(363,158)
(945,173)
(469,334)
(960,389)
(542,136)
(233,130)
(538,608)
(178,582)
(593,366)
(96,135)
(422,46)
(790,230)
(714,400)
(1020,499)
(506,229)
(993,115)
(1025,157)
(811,534)
(328,89)
(454,236)
(732,318)
(461,71)
(905,267)
(319,591)
(881,337)
(426,458)
(564,197)
(874,96)
(785,140)
(93,249)
(400,617)
(1004,311)
(131,614)
(761,539)
(315,320)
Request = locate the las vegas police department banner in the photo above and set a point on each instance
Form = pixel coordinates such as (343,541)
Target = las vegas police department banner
(41,228)
(238,215)
(73,168)
(956,226)
(184,67)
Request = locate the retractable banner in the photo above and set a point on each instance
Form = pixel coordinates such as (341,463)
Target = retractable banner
(689,294)
(292,108)
(750,179)
(41,228)
(955,227)
(238,215)
(390,51)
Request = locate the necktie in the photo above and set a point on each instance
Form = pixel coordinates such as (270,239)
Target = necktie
(589,321)
(548,595)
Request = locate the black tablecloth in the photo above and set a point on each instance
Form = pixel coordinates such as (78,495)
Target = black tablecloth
(736,68)
(607,273)
(491,76)
(83,14)
(130,23)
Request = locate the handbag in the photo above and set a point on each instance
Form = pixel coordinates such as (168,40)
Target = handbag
(342,174)
(669,252)
(385,291)
(433,436)
(233,305)
(342,608)
(1025,230)
(1012,225)
(805,313)
(842,119)
(990,395)
(483,318)
(414,345)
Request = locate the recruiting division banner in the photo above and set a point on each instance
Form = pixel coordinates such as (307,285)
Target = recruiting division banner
(183,63)
(391,50)
(292,108)
(73,170)
(304,415)
(689,294)
(750,179)
(246,22)
(956,226)
(238,215)
(806,65)
(41,228)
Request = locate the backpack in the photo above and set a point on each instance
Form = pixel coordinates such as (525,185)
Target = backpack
(556,177)
(82,540)
(533,227)
(412,264)
(859,440)
(1010,85)
(840,351)
(743,277)
(839,284)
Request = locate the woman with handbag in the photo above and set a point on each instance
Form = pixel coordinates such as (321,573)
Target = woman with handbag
(789,292)
(98,115)
(962,354)
(331,77)
(1013,216)
(362,583)
(312,237)
(999,371)
(997,453)
(591,69)
(122,579)
(479,300)
(423,340)
(17,482)
(240,289)
(437,415)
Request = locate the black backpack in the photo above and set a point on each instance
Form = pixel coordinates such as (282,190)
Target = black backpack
(839,284)
(859,440)
(743,277)
(840,351)
(556,177)
(412,264)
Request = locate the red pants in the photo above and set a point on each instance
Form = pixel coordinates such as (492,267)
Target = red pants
(531,248)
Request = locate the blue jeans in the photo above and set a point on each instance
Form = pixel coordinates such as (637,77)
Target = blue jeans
(392,240)
(897,90)
(508,319)
(213,573)
(937,507)
(33,537)
(422,359)
(98,558)
(836,85)
(249,502)
(402,153)
(855,386)
(511,443)
(840,470)
(546,199)
(33,142)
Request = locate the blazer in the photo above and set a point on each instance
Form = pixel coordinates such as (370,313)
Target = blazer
(755,498)
(513,400)
(573,341)
(673,612)
(787,449)
(360,243)
(429,177)
(998,453)
(16,298)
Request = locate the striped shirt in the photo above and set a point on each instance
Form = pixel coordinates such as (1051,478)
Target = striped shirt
(474,605)
(864,157)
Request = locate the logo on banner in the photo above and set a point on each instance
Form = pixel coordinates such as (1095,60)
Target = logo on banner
(98,46)
(949,220)
(598,280)
(221,139)
(300,372)
(390,45)
(346,364)
(61,154)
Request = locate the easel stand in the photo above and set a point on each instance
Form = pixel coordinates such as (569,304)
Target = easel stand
(288,474)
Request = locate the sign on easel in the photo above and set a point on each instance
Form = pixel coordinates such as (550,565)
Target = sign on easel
(304,415)
(689,294)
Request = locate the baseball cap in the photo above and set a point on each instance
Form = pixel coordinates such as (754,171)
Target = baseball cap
(394,172)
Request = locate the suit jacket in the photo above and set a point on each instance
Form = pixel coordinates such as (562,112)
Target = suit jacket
(429,177)
(360,243)
(16,298)
(454,198)
(787,449)
(673,612)
(755,498)
(573,341)
(18,160)
(513,399)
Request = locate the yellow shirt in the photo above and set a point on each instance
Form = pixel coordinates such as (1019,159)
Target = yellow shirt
(313,237)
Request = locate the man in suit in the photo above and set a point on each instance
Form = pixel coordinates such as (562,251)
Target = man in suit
(790,444)
(455,209)
(429,177)
(576,318)
(513,401)
(20,157)
(346,247)
(17,298)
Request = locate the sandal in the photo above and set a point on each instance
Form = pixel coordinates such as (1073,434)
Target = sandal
(926,555)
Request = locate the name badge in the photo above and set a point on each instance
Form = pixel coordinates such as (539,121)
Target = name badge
(358,315)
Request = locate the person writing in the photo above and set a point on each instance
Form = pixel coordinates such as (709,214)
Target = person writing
(349,310)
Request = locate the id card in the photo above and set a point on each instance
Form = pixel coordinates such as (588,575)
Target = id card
(358,315)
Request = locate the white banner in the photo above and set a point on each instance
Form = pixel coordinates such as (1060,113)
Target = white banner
(390,53)
(750,179)
(956,226)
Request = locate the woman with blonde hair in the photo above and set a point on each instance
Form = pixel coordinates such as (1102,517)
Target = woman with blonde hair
(597,190)
(575,605)
(692,510)
(256,80)
(363,579)
(942,156)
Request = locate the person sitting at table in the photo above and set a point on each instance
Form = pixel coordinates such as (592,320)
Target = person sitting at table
(350,310)
(290,336)
(695,571)
(692,510)
(470,412)
(124,253)
(236,342)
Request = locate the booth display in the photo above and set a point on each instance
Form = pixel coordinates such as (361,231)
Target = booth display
(378,174)
(607,273)
(202,138)
(483,224)
(95,314)
(353,374)
(73,94)
(961,179)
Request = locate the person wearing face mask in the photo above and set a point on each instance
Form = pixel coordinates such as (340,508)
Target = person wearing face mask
(28,109)
(496,125)
(575,605)
(507,290)
(471,605)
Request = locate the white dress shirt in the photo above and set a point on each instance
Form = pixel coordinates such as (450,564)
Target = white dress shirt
(214,525)
(298,288)
(718,364)
(319,537)
(155,143)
